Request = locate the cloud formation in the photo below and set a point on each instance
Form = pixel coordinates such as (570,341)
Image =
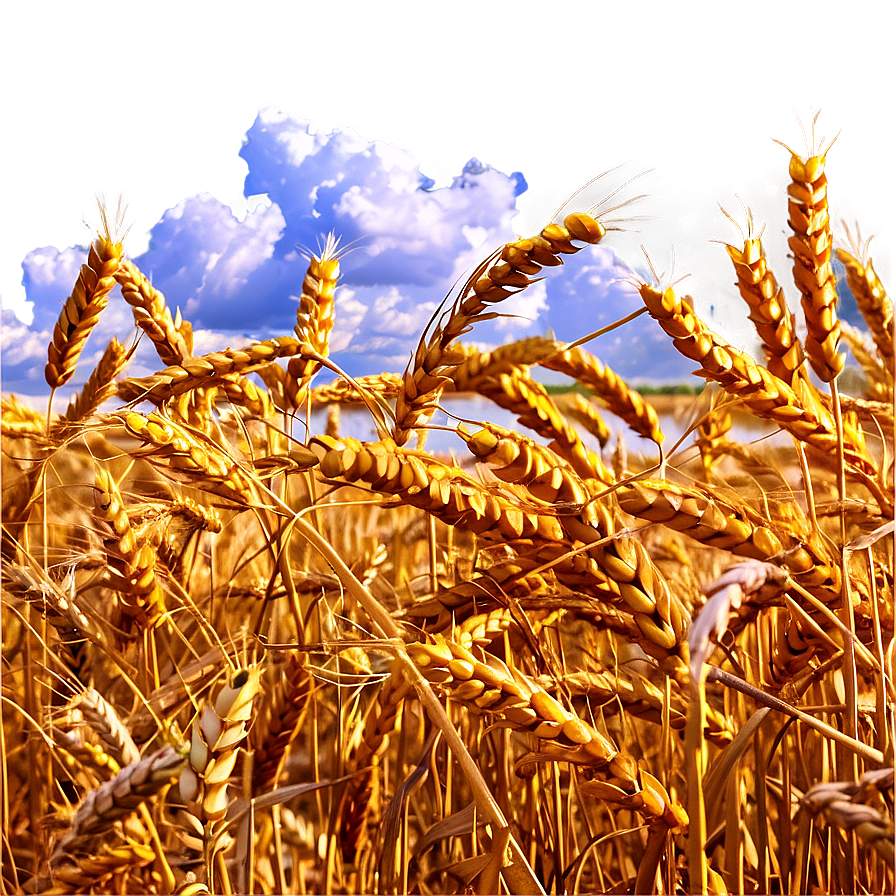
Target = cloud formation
(408,245)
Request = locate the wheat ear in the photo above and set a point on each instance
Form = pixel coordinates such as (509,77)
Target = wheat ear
(516,265)
(762,392)
(383,717)
(451,605)
(733,526)
(340,391)
(511,387)
(55,600)
(19,420)
(314,316)
(519,460)
(281,719)
(181,451)
(207,370)
(615,394)
(847,805)
(813,273)
(584,412)
(441,490)
(152,315)
(490,688)
(132,565)
(216,738)
(99,388)
(96,873)
(133,785)
(82,308)
(773,320)
(871,297)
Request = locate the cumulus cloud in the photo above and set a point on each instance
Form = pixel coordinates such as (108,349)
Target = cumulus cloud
(407,246)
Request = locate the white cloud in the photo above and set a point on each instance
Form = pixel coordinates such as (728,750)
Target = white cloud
(520,312)
(388,315)
(409,246)
(24,354)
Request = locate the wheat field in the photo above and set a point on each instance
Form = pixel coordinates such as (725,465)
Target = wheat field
(244,656)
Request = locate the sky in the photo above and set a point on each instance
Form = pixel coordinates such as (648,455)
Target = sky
(425,135)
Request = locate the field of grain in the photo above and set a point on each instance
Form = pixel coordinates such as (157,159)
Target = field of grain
(241,656)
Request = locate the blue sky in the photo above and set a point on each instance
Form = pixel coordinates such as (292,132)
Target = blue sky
(408,243)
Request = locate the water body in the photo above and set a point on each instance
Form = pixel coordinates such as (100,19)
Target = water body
(675,416)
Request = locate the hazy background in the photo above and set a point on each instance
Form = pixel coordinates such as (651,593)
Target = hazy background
(425,135)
